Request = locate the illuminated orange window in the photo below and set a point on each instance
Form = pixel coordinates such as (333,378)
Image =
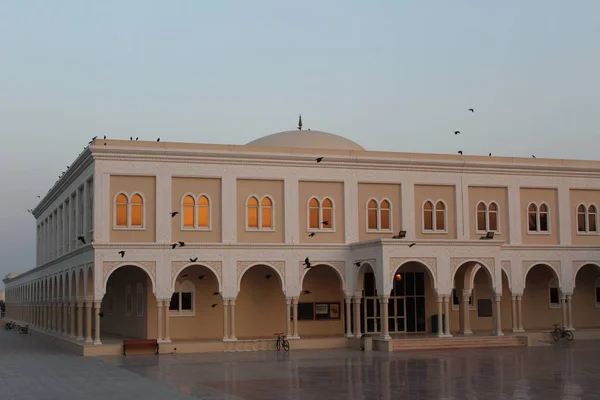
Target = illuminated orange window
(372,215)
(203,212)
(252,212)
(188,211)
(385,215)
(313,214)
(428,216)
(327,214)
(137,211)
(121,210)
(266,208)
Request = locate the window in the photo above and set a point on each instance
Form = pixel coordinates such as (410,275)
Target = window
(597,291)
(321,214)
(456,300)
(73,224)
(90,218)
(487,217)
(139,300)
(259,213)
(128,300)
(379,216)
(129,212)
(434,217)
(554,294)
(587,219)
(182,301)
(538,218)
(196,212)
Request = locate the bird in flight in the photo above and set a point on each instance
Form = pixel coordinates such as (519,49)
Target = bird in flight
(194,259)
(456,132)
(122,253)
(533,156)
(216,293)
(174,213)
(39,197)
(311,234)
(319,159)
(306,291)
(181,244)
(490,154)
(81,239)
(357,264)
(213,306)
(326,223)
(411,245)
(460,152)
(472,110)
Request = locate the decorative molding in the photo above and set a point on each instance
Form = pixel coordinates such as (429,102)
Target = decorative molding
(339,266)
(429,262)
(110,266)
(178,266)
(578,264)
(505,265)
(528,264)
(457,262)
(279,265)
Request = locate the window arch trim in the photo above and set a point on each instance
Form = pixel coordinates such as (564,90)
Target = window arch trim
(321,228)
(129,226)
(378,210)
(486,206)
(260,206)
(434,204)
(196,206)
(586,222)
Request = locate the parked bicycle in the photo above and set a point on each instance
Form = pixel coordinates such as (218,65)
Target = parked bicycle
(563,332)
(282,342)
(9,326)
(24,330)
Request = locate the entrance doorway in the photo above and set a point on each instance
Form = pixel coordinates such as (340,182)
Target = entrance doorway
(406,307)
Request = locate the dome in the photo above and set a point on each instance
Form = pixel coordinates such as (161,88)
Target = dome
(306,139)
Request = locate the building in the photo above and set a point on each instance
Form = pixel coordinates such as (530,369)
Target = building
(200,242)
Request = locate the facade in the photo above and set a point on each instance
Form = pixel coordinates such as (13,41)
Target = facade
(177,241)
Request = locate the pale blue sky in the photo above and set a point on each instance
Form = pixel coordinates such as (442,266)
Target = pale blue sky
(392,75)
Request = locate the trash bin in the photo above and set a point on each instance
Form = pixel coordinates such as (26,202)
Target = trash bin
(366,343)
(434,323)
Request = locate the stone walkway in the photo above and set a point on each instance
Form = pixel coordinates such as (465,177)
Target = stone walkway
(567,371)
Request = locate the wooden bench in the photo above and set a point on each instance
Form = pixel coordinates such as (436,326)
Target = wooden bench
(129,344)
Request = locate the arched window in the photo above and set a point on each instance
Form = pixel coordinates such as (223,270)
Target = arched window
(487,217)
(321,216)
(379,217)
(314,213)
(259,213)
(532,218)
(139,300)
(554,293)
(182,301)
(587,221)
(196,212)
(538,218)
(440,216)
(129,211)
(543,218)
(428,216)
(481,217)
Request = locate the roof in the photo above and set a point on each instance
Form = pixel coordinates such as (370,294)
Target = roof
(306,139)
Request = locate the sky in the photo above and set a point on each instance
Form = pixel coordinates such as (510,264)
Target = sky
(390,75)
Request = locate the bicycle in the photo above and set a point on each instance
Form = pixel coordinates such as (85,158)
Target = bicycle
(9,326)
(563,332)
(282,342)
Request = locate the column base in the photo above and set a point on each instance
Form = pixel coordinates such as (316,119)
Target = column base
(518,330)
(468,332)
(162,341)
(445,336)
(97,342)
(166,341)
(90,340)
(79,338)
(385,337)
(499,333)
(292,337)
(349,335)
(571,329)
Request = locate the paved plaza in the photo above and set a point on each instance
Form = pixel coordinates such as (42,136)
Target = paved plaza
(30,369)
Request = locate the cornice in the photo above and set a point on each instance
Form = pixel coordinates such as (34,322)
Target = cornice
(186,156)
(220,246)
(83,161)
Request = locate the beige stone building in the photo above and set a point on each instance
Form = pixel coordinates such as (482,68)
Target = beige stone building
(394,240)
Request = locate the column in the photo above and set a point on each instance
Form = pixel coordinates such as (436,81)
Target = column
(513,313)
(514,214)
(447,314)
(295,313)
(232,319)
(520,312)
(408,212)
(73,305)
(357,332)
(466,310)
(167,338)
(563,306)
(564,215)
(225,318)
(351,208)
(292,229)
(384,300)
(77,222)
(65,328)
(97,305)
(164,206)
(59,309)
(159,317)
(570,312)
(440,332)
(462,211)
(229,219)
(497,316)
(288,317)
(348,301)
(79,320)
(88,322)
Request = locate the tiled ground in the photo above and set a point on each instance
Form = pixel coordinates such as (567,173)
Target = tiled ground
(28,370)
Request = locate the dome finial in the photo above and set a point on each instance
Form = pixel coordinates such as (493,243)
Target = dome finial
(300,122)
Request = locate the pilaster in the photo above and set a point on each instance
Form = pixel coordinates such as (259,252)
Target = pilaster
(351,209)
(514,214)
(408,209)
(163,206)
(292,219)
(564,215)
(229,203)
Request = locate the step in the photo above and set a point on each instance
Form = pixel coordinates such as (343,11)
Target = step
(456,343)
